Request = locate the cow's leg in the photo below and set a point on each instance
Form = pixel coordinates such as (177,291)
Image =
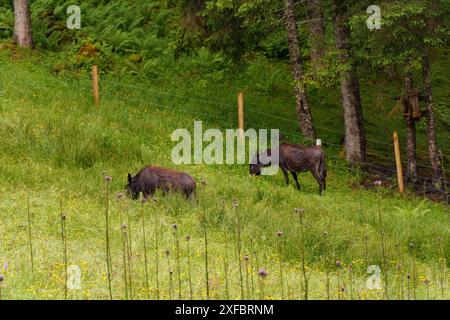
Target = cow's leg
(189,194)
(147,193)
(286,175)
(323,177)
(148,190)
(294,175)
(317,176)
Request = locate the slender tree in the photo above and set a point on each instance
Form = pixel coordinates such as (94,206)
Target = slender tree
(410,30)
(22,24)
(431,129)
(316,30)
(355,143)
(411,144)
(303,109)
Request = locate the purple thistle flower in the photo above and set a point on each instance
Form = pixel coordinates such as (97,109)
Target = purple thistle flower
(338,263)
(2,278)
(5,266)
(377,183)
(108,178)
(262,272)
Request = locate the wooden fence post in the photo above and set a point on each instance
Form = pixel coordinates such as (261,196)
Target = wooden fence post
(95,91)
(398,161)
(241,114)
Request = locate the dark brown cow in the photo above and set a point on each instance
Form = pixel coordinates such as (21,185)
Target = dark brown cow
(296,158)
(151,178)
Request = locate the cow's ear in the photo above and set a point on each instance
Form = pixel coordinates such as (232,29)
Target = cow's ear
(129,178)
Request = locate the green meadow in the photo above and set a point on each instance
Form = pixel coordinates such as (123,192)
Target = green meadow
(56,147)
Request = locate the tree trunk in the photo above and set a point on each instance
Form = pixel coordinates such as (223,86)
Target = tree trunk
(303,110)
(316,30)
(355,141)
(22,24)
(431,130)
(411,171)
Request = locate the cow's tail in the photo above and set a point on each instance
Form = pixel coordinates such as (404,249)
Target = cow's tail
(323,171)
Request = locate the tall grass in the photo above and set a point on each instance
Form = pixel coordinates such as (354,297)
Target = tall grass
(107,180)
(51,148)
(156,232)
(226,264)
(413,274)
(177,252)
(63,217)
(2,278)
(301,212)
(400,273)
(327,264)
(252,270)
(383,249)
(238,246)
(124,257)
(205,241)
(442,266)
(30,237)
(129,247)
(144,245)
(170,273)
(247,280)
(280,252)
(191,292)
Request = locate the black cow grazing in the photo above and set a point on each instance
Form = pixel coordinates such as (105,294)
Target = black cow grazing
(151,178)
(296,158)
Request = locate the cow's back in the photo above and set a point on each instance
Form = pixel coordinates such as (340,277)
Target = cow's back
(298,158)
(159,177)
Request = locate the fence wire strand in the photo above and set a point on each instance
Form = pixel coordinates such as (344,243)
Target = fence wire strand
(110,91)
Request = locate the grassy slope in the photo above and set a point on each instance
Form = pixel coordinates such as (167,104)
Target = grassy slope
(56,145)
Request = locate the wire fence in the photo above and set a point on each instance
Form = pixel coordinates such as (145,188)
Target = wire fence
(224,113)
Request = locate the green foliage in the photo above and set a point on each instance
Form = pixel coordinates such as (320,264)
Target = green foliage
(328,73)
(6,22)
(229,26)
(407,29)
